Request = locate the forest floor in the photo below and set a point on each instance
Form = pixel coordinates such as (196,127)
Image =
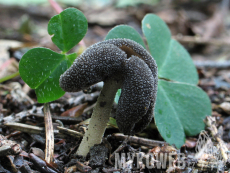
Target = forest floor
(202,27)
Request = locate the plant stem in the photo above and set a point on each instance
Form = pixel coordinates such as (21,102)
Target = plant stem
(55,6)
(9,77)
(100,117)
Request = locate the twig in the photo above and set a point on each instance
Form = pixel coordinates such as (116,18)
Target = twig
(138,140)
(40,164)
(212,64)
(25,128)
(201,40)
(120,148)
(49,151)
(69,132)
(22,115)
(65,120)
(60,123)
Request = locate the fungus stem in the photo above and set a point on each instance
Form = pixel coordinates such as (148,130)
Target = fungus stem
(100,117)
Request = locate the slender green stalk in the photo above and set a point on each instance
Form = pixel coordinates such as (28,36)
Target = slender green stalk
(9,77)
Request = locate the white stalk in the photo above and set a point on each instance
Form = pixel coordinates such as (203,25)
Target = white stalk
(100,117)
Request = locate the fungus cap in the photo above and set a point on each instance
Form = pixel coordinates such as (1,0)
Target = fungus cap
(121,59)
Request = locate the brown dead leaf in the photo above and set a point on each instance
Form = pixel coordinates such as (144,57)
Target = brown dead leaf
(38,152)
(156,149)
(75,111)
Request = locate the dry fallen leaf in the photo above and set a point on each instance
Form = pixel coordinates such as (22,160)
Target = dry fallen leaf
(225,106)
(75,111)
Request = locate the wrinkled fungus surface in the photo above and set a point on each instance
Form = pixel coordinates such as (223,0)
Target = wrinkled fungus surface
(121,59)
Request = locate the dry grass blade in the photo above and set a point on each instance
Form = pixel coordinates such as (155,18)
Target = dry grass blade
(49,134)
